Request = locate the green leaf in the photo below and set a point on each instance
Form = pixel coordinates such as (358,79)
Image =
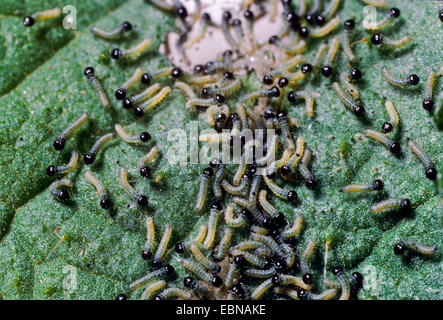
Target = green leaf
(77,250)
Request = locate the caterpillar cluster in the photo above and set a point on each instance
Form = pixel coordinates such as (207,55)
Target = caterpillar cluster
(267,262)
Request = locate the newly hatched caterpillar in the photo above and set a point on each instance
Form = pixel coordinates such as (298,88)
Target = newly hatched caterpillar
(230,88)
(269,208)
(120,93)
(376,185)
(197,285)
(327,12)
(272,92)
(213,267)
(270,243)
(142,96)
(151,288)
(165,271)
(192,103)
(144,170)
(117,53)
(292,231)
(286,67)
(163,245)
(411,80)
(290,49)
(394,119)
(92,153)
(270,153)
(236,190)
(346,43)
(105,201)
(203,190)
(289,255)
(230,220)
(29,21)
(72,164)
(224,244)
(326,29)
(215,281)
(261,289)
(60,141)
(430,171)
(124,27)
(217,114)
(138,138)
(428,102)
(148,77)
(186,89)
(174,293)
(225,29)
(392,14)
(291,195)
(326,69)
(216,187)
(282,118)
(223,82)
(287,280)
(236,23)
(344,283)
(392,146)
(306,256)
(389,204)
(246,158)
(286,170)
(205,22)
(249,257)
(142,200)
(321,51)
(356,108)
(260,273)
(346,77)
(164,5)
(201,234)
(90,75)
(310,16)
(57,190)
(247,245)
(309,100)
(150,238)
(310,181)
(212,225)
(376,3)
(255,186)
(380,39)
(325,295)
(400,248)
(140,110)
(233,273)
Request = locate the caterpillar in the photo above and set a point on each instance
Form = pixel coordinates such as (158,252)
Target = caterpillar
(29,21)
(142,200)
(392,146)
(69,167)
(430,171)
(120,93)
(89,73)
(109,35)
(105,201)
(118,53)
(90,156)
(57,190)
(138,138)
(60,141)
